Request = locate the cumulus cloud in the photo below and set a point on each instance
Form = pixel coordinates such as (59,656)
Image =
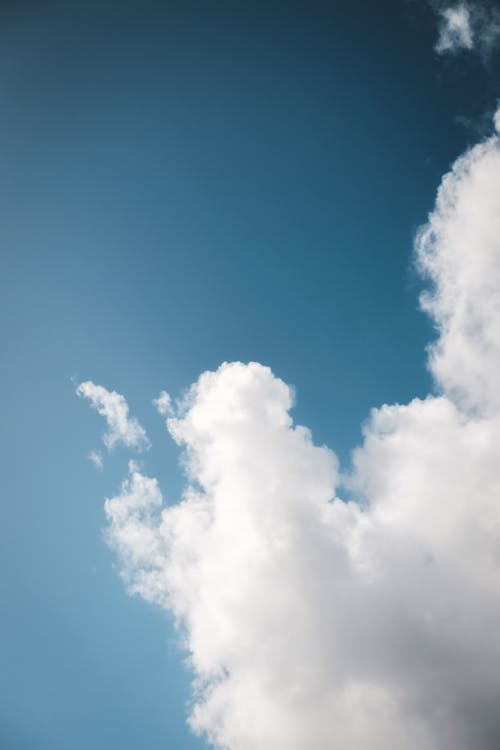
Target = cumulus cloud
(113,407)
(459,250)
(467,26)
(312,622)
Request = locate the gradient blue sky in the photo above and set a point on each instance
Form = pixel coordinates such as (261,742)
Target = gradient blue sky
(183,184)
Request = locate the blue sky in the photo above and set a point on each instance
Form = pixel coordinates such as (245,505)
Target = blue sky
(185,184)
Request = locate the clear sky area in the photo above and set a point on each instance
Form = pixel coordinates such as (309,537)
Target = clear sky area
(184,184)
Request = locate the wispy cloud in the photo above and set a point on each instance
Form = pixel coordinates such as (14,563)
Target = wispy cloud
(467,26)
(96,458)
(455,30)
(113,407)
(313,622)
(496,120)
(163,404)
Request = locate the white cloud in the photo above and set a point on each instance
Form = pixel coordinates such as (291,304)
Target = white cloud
(459,250)
(467,26)
(96,458)
(316,623)
(455,32)
(496,120)
(163,404)
(113,407)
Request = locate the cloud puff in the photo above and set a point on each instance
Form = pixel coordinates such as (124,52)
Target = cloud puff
(467,26)
(459,250)
(312,622)
(496,120)
(96,458)
(113,407)
(455,30)
(163,404)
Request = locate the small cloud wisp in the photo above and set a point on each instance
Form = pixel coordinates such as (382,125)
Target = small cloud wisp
(467,26)
(114,408)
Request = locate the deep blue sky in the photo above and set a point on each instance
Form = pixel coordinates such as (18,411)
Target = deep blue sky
(183,184)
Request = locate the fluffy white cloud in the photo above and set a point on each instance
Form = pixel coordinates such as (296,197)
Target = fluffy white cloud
(459,250)
(468,25)
(113,407)
(316,623)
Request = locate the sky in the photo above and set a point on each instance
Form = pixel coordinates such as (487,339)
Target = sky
(309,193)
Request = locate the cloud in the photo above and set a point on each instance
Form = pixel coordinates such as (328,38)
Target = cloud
(311,622)
(96,458)
(163,404)
(112,405)
(459,250)
(467,26)
(455,32)
(496,120)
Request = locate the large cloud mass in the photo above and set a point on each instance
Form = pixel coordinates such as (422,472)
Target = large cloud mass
(317,623)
